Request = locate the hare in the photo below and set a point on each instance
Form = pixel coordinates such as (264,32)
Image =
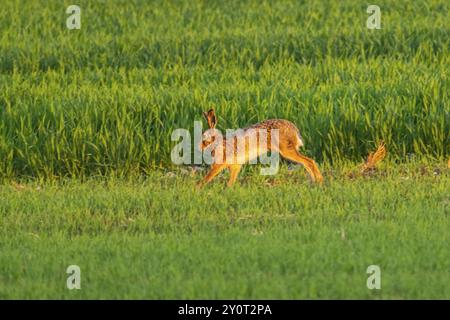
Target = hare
(289,140)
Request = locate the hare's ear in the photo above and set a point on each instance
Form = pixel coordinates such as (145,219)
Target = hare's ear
(211,118)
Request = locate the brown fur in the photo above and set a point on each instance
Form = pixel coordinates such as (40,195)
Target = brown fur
(289,141)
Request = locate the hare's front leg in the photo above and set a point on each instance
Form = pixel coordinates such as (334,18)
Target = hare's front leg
(234,171)
(215,170)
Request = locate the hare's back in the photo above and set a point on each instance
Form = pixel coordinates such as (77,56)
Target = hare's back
(287,130)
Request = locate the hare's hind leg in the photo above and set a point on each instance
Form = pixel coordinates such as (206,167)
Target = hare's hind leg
(215,170)
(309,164)
(234,171)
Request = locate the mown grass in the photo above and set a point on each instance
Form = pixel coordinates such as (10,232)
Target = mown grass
(161,238)
(103,100)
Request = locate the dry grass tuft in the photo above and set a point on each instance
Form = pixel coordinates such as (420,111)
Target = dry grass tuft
(374,158)
(370,166)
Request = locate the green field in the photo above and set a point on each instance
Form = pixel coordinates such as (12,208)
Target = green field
(86,178)
(160,238)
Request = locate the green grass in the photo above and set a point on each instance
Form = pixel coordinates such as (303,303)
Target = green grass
(86,118)
(103,100)
(161,238)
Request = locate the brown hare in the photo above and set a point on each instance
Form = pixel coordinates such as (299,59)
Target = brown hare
(287,144)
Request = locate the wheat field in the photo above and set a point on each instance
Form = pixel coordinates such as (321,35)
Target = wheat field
(104,99)
(86,176)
